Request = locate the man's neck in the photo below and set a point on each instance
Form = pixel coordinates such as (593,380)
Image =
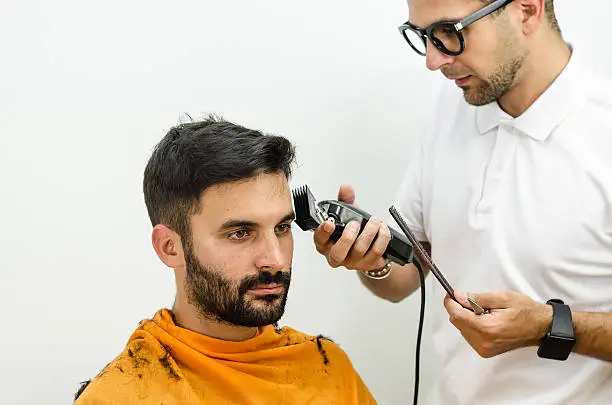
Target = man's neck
(187,316)
(542,66)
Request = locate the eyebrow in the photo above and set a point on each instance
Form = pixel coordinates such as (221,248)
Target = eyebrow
(441,20)
(237,223)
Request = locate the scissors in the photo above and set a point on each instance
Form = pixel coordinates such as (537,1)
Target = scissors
(426,258)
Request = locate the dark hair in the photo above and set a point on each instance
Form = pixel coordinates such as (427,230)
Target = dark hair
(549,12)
(197,155)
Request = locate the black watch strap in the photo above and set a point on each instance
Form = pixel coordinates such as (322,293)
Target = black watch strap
(559,341)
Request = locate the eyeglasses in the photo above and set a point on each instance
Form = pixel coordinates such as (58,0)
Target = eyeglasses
(446,35)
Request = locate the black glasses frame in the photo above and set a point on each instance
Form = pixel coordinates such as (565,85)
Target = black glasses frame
(456,26)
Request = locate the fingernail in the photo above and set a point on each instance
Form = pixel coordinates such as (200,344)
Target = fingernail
(328,226)
(354,227)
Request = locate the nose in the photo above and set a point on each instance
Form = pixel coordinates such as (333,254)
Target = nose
(435,58)
(270,254)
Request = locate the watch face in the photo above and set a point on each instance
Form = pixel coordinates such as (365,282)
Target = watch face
(565,344)
(556,347)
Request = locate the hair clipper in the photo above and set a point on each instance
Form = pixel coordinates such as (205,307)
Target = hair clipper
(310,214)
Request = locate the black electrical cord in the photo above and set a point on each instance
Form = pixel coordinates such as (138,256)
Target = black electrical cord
(419,333)
(415,243)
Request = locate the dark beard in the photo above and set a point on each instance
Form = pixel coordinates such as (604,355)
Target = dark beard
(226,301)
(496,85)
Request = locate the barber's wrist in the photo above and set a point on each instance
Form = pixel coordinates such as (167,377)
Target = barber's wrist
(545,318)
(542,319)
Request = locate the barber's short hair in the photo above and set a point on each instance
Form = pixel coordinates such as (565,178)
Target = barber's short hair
(197,155)
(549,10)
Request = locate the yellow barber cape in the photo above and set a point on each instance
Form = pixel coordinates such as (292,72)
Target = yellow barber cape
(166,364)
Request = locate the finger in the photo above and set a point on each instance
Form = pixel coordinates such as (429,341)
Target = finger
(457,314)
(452,307)
(493,300)
(472,338)
(338,252)
(322,234)
(462,298)
(346,194)
(379,246)
(365,239)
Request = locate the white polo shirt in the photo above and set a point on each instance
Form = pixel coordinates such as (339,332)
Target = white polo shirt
(520,204)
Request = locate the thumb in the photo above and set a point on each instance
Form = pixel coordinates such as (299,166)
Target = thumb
(346,194)
(461,298)
(491,300)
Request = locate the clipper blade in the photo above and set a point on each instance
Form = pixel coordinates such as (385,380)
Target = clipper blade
(307,214)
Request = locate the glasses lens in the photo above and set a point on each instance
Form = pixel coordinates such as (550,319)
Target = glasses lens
(415,40)
(447,36)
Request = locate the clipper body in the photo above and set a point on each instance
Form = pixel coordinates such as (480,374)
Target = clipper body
(310,214)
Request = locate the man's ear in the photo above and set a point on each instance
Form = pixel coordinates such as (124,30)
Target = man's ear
(532,14)
(168,246)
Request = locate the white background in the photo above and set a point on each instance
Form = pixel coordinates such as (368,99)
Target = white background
(87,89)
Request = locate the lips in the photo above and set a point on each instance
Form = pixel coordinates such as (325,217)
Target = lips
(267,289)
(462,80)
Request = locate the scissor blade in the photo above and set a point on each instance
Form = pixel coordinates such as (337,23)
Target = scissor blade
(478,310)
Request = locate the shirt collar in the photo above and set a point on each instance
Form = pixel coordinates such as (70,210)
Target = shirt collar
(545,114)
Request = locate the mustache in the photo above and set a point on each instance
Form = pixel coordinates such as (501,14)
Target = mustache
(450,72)
(280,277)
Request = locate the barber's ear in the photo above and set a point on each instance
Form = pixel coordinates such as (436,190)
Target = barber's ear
(532,14)
(168,246)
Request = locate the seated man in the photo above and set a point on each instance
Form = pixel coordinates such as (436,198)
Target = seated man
(219,200)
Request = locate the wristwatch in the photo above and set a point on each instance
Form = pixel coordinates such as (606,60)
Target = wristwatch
(559,340)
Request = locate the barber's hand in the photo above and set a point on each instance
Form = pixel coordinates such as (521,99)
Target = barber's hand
(353,250)
(514,321)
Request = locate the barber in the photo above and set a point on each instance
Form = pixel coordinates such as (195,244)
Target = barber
(512,192)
